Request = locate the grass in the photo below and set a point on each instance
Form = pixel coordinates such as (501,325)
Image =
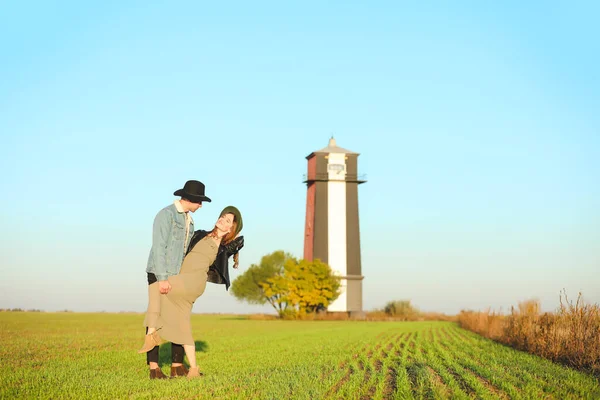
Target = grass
(93,356)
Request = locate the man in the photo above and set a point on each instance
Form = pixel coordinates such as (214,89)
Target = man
(171,235)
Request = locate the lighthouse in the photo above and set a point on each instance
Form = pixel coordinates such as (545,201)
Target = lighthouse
(332,232)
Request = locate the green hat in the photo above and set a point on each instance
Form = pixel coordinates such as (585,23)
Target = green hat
(237,215)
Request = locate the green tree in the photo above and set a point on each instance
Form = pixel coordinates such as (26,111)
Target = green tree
(303,288)
(292,287)
(248,285)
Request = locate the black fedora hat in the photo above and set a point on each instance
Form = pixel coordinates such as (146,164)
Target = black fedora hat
(193,191)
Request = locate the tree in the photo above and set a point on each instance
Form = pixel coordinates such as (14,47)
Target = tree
(248,285)
(292,287)
(306,285)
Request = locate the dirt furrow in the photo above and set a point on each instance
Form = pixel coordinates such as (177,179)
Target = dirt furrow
(336,388)
(390,383)
(438,382)
(488,385)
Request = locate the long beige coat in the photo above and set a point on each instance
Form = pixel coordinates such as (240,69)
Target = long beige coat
(170,313)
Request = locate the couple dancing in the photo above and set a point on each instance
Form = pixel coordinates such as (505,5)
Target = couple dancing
(181,262)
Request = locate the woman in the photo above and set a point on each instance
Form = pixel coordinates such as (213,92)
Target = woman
(206,260)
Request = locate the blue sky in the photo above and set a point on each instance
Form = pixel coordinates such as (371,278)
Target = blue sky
(477,124)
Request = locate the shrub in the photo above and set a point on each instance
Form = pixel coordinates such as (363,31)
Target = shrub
(401,310)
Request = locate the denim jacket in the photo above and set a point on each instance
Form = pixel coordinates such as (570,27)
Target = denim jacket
(168,236)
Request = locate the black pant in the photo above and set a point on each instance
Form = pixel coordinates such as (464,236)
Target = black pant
(177,351)
(177,354)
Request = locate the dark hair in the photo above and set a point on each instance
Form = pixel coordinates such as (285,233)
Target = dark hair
(191,201)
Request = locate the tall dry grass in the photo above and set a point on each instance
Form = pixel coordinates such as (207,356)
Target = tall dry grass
(570,336)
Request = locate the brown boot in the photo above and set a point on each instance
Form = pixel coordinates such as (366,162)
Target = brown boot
(194,373)
(157,373)
(150,341)
(179,370)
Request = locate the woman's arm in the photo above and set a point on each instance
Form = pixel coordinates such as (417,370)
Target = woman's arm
(234,246)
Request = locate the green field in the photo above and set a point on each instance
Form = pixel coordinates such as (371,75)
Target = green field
(88,356)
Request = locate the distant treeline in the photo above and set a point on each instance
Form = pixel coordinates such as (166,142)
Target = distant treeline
(66,311)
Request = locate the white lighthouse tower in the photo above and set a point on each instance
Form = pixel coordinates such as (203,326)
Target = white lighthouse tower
(332,231)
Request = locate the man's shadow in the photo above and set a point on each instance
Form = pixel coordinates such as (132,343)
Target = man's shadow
(164,352)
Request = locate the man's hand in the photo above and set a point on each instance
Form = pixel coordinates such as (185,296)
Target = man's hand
(164,287)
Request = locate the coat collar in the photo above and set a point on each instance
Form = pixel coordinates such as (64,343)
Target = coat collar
(180,210)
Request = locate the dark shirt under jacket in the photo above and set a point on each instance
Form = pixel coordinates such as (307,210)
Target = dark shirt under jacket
(218,272)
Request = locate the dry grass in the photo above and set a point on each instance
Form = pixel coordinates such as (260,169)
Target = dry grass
(570,336)
(420,316)
(377,315)
(262,317)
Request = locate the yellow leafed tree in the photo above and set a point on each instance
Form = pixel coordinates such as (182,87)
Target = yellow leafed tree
(304,287)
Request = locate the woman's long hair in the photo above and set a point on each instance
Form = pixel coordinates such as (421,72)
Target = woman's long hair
(231,235)
(227,239)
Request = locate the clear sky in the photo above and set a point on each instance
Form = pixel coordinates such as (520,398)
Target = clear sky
(478,126)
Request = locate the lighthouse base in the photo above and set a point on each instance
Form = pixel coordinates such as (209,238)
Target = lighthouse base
(350,299)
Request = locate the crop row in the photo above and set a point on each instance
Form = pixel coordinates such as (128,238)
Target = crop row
(448,362)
